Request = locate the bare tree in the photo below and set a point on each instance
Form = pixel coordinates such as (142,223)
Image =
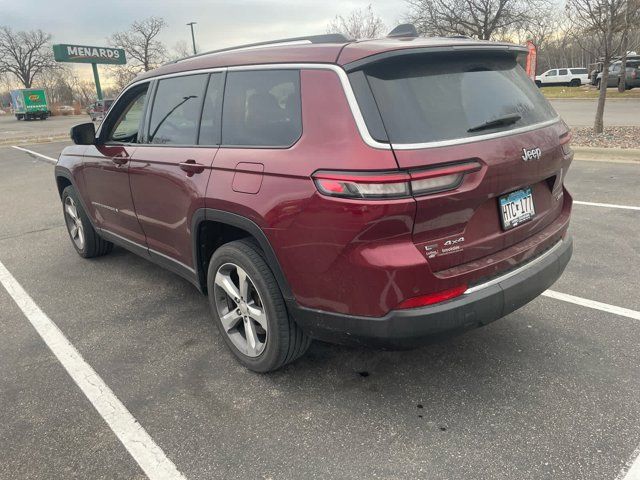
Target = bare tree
(144,50)
(483,19)
(359,24)
(25,54)
(181,49)
(601,20)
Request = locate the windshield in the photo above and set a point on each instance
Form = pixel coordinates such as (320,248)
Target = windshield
(436,97)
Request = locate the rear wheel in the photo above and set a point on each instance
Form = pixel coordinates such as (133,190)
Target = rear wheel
(575,82)
(249,309)
(83,236)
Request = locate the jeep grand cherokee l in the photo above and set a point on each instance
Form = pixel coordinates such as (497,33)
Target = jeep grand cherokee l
(373,192)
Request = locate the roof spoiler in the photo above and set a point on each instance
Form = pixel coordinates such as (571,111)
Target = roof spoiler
(403,30)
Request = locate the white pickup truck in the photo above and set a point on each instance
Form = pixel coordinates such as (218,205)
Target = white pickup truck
(563,76)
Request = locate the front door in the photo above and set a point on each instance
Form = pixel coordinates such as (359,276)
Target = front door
(105,168)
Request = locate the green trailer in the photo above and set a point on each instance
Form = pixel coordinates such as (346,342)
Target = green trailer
(30,104)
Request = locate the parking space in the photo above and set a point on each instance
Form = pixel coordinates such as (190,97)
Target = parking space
(551,391)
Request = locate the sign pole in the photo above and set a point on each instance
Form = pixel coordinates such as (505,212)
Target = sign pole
(96,78)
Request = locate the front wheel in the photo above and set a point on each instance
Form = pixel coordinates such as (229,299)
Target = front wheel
(249,309)
(83,236)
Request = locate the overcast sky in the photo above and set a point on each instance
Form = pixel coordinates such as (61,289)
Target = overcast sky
(220,23)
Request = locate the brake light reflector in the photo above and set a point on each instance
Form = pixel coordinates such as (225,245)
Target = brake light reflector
(431,298)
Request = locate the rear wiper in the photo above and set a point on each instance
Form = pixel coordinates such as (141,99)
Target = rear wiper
(496,122)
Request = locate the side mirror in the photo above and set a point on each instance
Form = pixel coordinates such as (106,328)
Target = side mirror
(84,134)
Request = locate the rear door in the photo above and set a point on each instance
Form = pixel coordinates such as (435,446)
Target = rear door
(171,169)
(563,76)
(482,116)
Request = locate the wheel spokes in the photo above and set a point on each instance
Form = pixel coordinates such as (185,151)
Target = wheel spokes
(225,282)
(230,320)
(257,314)
(243,282)
(252,337)
(71,211)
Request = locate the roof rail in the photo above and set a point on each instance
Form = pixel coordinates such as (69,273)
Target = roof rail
(328,38)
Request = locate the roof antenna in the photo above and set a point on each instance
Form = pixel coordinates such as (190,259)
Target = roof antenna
(403,30)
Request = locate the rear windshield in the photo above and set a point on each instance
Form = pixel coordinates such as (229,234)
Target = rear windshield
(436,97)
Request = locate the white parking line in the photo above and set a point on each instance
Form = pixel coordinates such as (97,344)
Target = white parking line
(606,205)
(605,307)
(633,472)
(133,436)
(31,152)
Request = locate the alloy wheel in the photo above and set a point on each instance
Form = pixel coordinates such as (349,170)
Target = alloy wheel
(74,224)
(240,309)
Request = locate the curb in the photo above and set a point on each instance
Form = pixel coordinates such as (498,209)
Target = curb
(33,140)
(617,155)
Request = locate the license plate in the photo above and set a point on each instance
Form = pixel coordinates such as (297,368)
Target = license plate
(516,208)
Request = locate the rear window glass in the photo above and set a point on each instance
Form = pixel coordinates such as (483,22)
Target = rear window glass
(578,71)
(262,108)
(176,110)
(434,98)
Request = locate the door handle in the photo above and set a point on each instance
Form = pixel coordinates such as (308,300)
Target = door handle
(191,167)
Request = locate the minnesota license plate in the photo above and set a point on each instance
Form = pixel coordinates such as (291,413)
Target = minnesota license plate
(516,208)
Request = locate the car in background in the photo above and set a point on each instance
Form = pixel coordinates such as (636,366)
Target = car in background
(65,110)
(615,73)
(573,77)
(99,109)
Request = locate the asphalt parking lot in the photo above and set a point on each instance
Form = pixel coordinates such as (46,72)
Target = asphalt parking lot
(550,392)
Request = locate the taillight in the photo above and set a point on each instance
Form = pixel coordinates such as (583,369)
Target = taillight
(373,186)
(430,299)
(634,74)
(393,184)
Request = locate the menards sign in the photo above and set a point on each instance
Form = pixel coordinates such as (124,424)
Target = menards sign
(87,54)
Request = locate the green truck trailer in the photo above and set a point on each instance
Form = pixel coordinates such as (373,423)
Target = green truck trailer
(30,104)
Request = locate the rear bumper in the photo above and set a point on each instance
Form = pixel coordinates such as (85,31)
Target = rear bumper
(478,306)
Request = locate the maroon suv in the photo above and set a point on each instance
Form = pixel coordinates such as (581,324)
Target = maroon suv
(373,192)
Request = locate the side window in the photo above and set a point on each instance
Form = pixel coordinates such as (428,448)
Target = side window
(176,110)
(127,125)
(563,72)
(210,124)
(262,108)
(552,73)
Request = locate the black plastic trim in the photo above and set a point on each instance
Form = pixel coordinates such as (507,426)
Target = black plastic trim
(412,327)
(244,223)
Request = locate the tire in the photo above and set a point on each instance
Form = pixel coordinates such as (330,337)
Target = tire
(575,82)
(83,237)
(538,83)
(283,341)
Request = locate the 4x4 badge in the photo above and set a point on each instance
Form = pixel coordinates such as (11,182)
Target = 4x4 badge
(531,154)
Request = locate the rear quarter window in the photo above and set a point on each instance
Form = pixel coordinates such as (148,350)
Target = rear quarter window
(262,108)
(435,97)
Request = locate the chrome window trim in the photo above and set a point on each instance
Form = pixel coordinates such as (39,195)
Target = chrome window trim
(512,273)
(353,105)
